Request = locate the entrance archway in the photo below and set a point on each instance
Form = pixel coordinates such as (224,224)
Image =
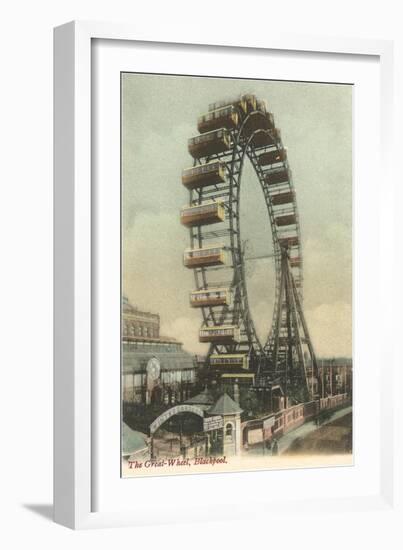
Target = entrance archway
(182,438)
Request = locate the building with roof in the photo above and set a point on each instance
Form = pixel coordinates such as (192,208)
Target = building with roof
(335,376)
(134,443)
(139,325)
(204,399)
(155,369)
(230,411)
(216,432)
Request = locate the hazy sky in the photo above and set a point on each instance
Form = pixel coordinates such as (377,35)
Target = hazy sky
(159,114)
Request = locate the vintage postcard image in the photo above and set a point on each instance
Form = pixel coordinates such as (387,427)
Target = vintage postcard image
(236,340)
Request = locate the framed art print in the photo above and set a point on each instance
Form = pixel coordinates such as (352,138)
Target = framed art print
(220,243)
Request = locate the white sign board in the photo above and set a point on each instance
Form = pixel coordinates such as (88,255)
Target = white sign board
(212,423)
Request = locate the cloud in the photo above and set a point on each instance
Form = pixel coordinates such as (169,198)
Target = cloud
(330,327)
(159,115)
(186,330)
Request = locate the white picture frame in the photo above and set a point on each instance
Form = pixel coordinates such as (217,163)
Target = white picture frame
(76,295)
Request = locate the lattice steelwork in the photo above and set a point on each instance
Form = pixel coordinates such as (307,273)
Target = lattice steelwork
(230,132)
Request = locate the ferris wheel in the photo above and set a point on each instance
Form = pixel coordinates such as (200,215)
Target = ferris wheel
(230,133)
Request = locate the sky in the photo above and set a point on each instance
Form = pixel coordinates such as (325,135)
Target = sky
(159,114)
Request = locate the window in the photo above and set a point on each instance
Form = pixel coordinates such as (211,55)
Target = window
(228,431)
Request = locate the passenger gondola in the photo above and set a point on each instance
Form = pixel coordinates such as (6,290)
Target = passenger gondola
(211,173)
(203,214)
(232,361)
(272,157)
(213,255)
(220,334)
(287,219)
(277,176)
(209,143)
(224,117)
(282,198)
(211,297)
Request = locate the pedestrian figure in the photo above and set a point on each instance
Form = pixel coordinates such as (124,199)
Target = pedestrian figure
(274,450)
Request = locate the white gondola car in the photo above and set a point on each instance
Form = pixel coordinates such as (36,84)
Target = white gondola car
(250,101)
(283,197)
(240,103)
(203,214)
(288,240)
(272,157)
(220,334)
(223,117)
(232,361)
(211,297)
(210,143)
(213,255)
(286,219)
(295,261)
(210,173)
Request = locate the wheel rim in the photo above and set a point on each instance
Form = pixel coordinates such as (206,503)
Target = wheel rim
(253,129)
